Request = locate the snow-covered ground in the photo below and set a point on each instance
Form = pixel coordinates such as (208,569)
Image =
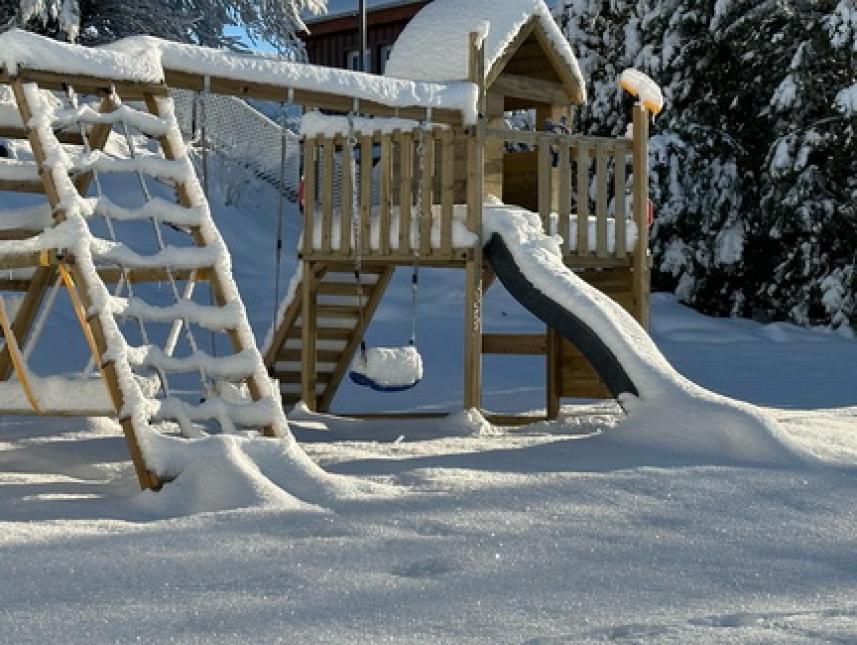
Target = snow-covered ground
(457,532)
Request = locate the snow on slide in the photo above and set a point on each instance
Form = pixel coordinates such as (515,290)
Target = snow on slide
(666,411)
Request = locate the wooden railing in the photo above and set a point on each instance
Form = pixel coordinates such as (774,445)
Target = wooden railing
(603,178)
(398,189)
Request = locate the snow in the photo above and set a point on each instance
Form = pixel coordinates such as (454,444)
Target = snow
(592,232)
(644,88)
(390,366)
(450,530)
(392,92)
(846,100)
(434,45)
(24,50)
(315,124)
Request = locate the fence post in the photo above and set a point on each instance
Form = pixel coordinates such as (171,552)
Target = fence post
(641,199)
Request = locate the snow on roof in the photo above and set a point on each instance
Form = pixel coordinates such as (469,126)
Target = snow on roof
(339,8)
(21,49)
(433,47)
(393,92)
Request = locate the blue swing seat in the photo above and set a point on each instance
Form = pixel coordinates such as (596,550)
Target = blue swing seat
(365,381)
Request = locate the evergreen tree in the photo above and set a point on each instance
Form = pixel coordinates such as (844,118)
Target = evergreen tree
(198,21)
(753,162)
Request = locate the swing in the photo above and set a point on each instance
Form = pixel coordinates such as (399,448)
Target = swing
(388,369)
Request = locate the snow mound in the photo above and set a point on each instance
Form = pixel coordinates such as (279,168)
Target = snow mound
(434,45)
(223,472)
(222,476)
(672,414)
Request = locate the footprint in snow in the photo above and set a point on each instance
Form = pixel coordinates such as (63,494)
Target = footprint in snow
(425,568)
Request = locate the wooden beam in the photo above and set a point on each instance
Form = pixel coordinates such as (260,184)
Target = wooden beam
(63,136)
(515,344)
(530,89)
(322,100)
(641,278)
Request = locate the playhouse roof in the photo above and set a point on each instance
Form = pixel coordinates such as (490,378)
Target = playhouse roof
(433,47)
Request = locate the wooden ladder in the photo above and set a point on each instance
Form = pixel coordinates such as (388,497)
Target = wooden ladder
(237,392)
(338,330)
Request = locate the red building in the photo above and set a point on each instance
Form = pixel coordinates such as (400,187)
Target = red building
(333,40)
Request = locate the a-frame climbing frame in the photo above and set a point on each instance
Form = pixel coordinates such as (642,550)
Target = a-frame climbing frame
(145,344)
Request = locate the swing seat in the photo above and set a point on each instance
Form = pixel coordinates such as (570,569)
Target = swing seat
(387,369)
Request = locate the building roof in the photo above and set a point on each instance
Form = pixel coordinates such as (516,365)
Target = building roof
(434,45)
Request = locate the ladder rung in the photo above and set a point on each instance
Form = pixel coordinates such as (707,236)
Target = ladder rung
(233,367)
(17,233)
(21,186)
(248,415)
(208,316)
(176,257)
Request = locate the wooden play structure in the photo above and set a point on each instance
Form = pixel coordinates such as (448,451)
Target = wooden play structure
(377,197)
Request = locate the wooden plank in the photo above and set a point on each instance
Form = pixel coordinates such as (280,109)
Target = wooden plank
(532,138)
(601,202)
(20,366)
(327,158)
(307,333)
(294,355)
(582,158)
(473,269)
(321,333)
(564,179)
(426,198)
(310,178)
(386,200)
(553,387)
(89,84)
(21,186)
(641,199)
(619,202)
(531,88)
(365,193)
(405,141)
(346,208)
(515,344)
(447,190)
(63,136)
(544,185)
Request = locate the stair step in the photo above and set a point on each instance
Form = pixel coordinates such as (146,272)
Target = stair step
(322,355)
(338,311)
(295,377)
(324,333)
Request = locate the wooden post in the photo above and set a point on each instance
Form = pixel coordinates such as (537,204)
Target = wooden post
(552,381)
(473,269)
(310,167)
(308,336)
(640,144)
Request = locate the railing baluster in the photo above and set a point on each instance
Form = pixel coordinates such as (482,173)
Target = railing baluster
(310,176)
(601,199)
(386,200)
(620,202)
(346,207)
(582,199)
(327,194)
(365,194)
(544,182)
(565,196)
(448,190)
(427,180)
(406,175)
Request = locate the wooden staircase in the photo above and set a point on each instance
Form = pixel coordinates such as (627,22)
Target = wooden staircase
(338,329)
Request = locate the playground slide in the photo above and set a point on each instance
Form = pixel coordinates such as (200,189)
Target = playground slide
(557,316)
(667,408)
